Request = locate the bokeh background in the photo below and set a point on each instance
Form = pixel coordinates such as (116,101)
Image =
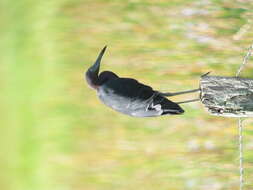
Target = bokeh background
(56,135)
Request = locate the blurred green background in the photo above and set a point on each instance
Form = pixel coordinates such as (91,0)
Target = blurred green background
(55,134)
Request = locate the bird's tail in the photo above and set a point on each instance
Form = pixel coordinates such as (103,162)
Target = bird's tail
(167,106)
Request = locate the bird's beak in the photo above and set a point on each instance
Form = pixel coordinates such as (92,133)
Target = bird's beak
(95,67)
(91,74)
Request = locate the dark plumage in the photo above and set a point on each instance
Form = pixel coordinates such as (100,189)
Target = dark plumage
(128,96)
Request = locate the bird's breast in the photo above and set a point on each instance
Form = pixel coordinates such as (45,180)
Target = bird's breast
(120,98)
(113,99)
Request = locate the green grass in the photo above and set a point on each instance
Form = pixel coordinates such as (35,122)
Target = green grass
(55,134)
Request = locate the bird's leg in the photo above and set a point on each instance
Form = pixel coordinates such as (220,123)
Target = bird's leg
(188,101)
(178,93)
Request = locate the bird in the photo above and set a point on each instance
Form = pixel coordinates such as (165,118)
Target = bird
(129,96)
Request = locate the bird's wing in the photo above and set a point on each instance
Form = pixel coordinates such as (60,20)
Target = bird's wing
(128,96)
(157,105)
(127,88)
(123,92)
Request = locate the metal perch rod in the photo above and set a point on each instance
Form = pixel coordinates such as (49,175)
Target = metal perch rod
(179,93)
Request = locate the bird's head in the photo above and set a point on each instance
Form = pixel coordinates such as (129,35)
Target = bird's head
(91,74)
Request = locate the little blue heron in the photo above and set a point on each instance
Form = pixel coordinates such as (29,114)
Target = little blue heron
(130,97)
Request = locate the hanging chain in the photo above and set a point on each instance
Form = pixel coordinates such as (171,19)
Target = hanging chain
(240,126)
(240,140)
(245,60)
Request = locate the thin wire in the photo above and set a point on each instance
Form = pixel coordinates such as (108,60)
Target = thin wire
(240,140)
(245,60)
(188,101)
